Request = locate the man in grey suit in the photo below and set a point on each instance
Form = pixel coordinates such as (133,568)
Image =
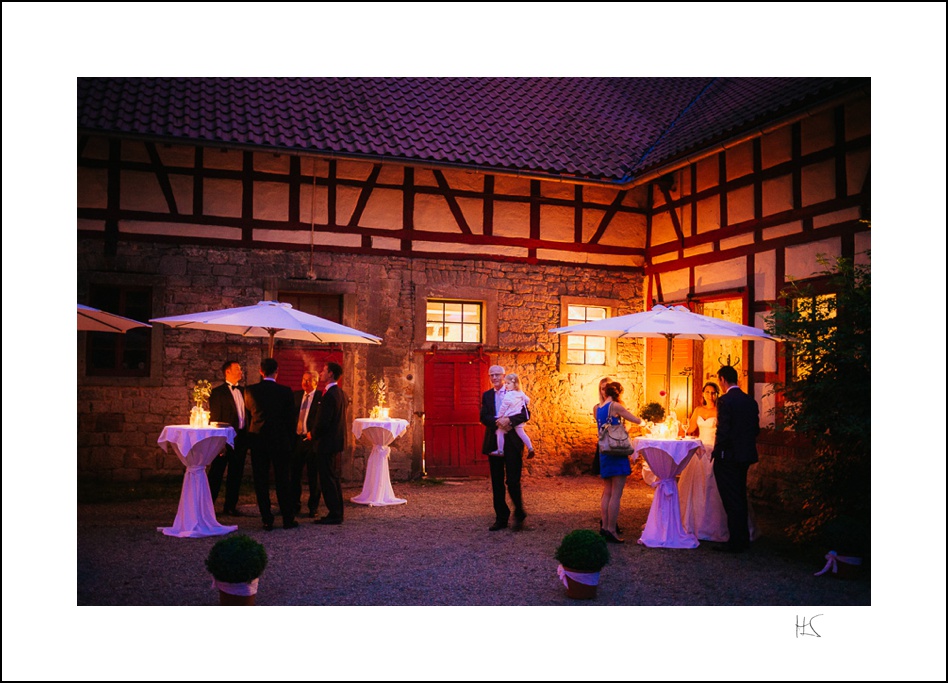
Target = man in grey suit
(272,431)
(304,454)
(735,450)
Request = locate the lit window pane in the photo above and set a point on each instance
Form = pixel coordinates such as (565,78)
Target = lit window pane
(575,342)
(595,357)
(472,314)
(576,313)
(452,313)
(596,343)
(472,333)
(452,332)
(435,312)
(595,313)
(575,357)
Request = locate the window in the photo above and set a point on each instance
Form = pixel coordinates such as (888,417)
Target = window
(454,321)
(580,349)
(120,355)
(816,312)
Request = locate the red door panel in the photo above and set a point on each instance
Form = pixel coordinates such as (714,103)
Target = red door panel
(294,362)
(454,383)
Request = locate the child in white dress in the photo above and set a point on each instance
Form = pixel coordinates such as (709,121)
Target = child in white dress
(513,402)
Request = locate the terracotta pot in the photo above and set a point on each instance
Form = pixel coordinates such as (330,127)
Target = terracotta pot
(577,590)
(238,593)
(228,599)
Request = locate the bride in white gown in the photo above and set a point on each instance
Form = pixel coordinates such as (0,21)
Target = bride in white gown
(702,512)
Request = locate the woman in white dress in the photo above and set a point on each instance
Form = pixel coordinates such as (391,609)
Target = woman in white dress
(702,512)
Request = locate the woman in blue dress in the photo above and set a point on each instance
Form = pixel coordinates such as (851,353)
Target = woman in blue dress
(613,469)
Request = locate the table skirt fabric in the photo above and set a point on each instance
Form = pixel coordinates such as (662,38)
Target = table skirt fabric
(663,528)
(195,517)
(377,488)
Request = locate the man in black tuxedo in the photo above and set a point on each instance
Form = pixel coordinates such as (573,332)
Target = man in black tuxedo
(510,464)
(735,450)
(329,431)
(227,405)
(304,454)
(272,430)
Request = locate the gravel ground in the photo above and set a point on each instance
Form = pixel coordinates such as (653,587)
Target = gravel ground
(436,550)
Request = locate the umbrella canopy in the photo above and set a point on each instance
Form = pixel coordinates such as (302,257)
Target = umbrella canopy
(271,319)
(93,320)
(668,323)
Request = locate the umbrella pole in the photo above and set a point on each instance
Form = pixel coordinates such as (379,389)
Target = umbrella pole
(270,347)
(670,338)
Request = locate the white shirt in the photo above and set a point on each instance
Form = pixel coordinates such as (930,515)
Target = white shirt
(239,402)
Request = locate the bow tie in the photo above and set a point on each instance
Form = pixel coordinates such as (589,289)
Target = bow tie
(232,386)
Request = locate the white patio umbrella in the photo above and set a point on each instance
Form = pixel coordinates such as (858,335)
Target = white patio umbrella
(93,320)
(676,322)
(271,319)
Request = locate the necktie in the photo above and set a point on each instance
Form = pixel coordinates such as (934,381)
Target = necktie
(301,423)
(239,402)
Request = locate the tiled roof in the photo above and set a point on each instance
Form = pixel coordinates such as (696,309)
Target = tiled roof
(597,128)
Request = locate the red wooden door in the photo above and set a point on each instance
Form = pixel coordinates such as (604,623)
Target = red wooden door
(680,397)
(294,362)
(454,383)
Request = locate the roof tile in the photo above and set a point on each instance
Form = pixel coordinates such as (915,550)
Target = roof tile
(597,128)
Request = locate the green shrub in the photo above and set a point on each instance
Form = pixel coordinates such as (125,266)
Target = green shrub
(584,550)
(827,401)
(653,412)
(236,559)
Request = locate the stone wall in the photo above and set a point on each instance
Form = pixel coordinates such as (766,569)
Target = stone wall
(119,420)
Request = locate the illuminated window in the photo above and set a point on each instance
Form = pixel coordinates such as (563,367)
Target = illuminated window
(817,312)
(120,355)
(582,349)
(453,321)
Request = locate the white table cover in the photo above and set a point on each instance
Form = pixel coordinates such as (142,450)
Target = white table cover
(666,458)
(377,488)
(196,447)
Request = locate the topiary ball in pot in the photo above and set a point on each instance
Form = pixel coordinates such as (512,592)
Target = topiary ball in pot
(582,553)
(236,562)
(583,550)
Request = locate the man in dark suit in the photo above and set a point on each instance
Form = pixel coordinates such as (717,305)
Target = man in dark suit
(272,430)
(227,405)
(510,464)
(735,450)
(329,431)
(304,454)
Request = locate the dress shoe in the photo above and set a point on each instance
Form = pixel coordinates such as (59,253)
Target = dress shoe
(328,520)
(611,537)
(518,521)
(312,514)
(497,526)
(292,524)
(531,454)
(268,526)
(618,528)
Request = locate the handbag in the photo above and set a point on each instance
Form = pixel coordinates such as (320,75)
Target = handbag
(614,440)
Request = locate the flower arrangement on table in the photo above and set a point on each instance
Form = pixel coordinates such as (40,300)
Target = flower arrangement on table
(380,389)
(200,416)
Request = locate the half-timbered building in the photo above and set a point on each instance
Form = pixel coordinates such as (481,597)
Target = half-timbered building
(460,219)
